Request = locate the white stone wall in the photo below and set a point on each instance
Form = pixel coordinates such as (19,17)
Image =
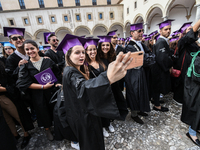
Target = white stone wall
(72,25)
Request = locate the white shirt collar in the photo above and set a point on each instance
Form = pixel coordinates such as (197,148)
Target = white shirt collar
(21,55)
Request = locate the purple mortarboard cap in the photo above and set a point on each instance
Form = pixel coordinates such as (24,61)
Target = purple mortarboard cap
(46,35)
(111,33)
(175,33)
(153,33)
(8,31)
(104,38)
(144,35)
(157,37)
(123,39)
(174,38)
(136,26)
(8,44)
(70,41)
(185,26)
(147,38)
(46,47)
(165,23)
(91,42)
(118,39)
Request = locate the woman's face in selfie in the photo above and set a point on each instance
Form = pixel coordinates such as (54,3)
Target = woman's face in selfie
(92,51)
(78,55)
(105,47)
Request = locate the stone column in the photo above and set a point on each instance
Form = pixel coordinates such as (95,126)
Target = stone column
(165,18)
(198,10)
(145,28)
(124,34)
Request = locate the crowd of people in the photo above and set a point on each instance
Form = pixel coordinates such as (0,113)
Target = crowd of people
(74,87)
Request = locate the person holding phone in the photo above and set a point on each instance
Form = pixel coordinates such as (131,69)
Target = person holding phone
(136,88)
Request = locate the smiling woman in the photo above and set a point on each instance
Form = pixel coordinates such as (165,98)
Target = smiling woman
(41,94)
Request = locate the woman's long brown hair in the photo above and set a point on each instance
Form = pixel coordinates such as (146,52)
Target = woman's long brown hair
(111,56)
(70,63)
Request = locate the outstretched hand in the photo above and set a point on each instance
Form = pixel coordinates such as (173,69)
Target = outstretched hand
(117,69)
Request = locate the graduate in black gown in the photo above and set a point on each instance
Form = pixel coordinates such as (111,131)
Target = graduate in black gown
(186,45)
(57,56)
(136,87)
(161,69)
(107,54)
(191,99)
(86,100)
(96,67)
(13,62)
(40,94)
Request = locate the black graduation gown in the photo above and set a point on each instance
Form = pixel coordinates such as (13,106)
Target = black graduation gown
(12,70)
(93,74)
(62,129)
(136,85)
(119,49)
(121,82)
(191,103)
(161,81)
(85,102)
(119,97)
(58,58)
(188,44)
(40,98)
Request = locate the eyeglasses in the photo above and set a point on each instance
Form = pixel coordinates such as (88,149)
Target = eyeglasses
(141,30)
(17,37)
(94,49)
(54,40)
(7,49)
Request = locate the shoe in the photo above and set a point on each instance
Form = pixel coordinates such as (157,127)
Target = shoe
(137,119)
(105,133)
(161,96)
(160,101)
(196,142)
(163,109)
(49,135)
(111,128)
(76,146)
(142,114)
(25,141)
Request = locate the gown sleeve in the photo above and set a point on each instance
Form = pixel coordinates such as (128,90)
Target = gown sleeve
(163,57)
(24,79)
(11,70)
(188,39)
(96,95)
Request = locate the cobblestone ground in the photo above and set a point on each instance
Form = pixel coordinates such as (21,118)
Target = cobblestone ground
(161,131)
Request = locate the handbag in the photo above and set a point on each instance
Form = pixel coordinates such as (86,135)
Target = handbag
(175,72)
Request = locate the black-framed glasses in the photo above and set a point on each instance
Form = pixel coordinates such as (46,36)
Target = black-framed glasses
(15,38)
(7,49)
(55,40)
(92,49)
(141,30)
